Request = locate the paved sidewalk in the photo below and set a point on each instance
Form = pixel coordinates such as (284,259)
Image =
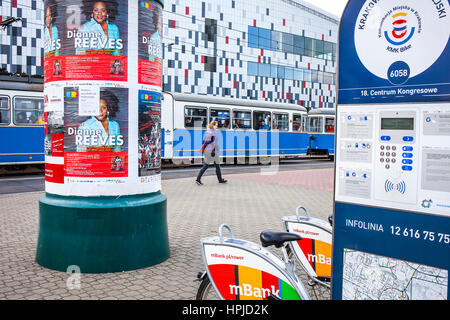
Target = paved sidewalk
(249,203)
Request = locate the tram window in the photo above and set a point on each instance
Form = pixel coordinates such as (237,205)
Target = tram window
(4,110)
(298,123)
(222,116)
(329,124)
(242,119)
(304,123)
(261,120)
(28,111)
(195,117)
(315,124)
(280,121)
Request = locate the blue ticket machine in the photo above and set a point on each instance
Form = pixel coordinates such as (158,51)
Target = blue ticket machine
(391,236)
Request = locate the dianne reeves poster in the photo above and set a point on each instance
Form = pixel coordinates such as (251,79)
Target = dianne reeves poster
(150,44)
(85,39)
(96,131)
(102,105)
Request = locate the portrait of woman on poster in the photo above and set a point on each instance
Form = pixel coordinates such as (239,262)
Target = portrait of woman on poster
(157,21)
(110,129)
(50,30)
(155,45)
(100,15)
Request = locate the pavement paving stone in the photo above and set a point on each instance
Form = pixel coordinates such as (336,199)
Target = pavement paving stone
(249,203)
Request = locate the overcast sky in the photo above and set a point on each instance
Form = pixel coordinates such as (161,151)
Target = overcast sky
(335,7)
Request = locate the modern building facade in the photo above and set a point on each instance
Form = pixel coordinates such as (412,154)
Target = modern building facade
(273,50)
(22,41)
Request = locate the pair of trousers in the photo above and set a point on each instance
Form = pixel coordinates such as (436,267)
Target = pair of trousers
(208,159)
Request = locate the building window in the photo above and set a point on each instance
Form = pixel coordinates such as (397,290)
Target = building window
(276,41)
(314,76)
(328,50)
(307,75)
(252,37)
(298,74)
(328,78)
(4,110)
(309,47)
(211,29)
(280,72)
(299,45)
(252,68)
(264,70)
(273,71)
(289,73)
(288,43)
(264,39)
(318,49)
(210,64)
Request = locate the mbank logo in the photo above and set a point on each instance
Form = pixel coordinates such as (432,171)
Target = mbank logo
(320,258)
(248,290)
(400,33)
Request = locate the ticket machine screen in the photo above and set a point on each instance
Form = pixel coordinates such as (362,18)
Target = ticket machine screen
(397,123)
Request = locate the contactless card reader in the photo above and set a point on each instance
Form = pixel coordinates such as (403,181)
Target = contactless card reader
(396,157)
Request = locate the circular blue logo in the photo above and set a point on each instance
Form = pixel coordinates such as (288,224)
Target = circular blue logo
(398,72)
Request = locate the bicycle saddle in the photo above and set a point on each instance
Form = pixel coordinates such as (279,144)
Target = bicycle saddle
(277,238)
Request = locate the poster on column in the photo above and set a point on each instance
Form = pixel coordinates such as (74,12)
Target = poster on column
(149,133)
(100,119)
(96,141)
(150,44)
(86,40)
(54,133)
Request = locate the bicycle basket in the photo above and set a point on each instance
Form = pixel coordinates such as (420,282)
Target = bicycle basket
(243,270)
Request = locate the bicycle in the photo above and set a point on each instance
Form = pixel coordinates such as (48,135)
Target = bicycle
(237,269)
(314,251)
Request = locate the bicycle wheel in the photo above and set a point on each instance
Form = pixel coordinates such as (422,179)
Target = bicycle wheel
(206,291)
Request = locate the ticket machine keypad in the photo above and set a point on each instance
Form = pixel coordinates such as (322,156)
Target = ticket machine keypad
(391,154)
(388,155)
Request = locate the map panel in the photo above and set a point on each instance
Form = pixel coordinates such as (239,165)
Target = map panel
(373,277)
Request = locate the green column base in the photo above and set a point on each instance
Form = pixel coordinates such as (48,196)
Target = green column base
(102,234)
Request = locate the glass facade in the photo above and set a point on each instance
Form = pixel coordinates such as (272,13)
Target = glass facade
(289,73)
(289,43)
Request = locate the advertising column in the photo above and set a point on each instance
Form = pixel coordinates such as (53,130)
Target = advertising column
(391,237)
(103,210)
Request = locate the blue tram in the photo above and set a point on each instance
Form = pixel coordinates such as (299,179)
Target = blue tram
(249,129)
(21,121)
(321,125)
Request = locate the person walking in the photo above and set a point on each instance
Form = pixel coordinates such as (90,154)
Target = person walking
(211,153)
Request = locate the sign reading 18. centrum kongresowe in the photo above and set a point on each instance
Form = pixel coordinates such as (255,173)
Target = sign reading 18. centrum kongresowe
(397,50)
(391,238)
